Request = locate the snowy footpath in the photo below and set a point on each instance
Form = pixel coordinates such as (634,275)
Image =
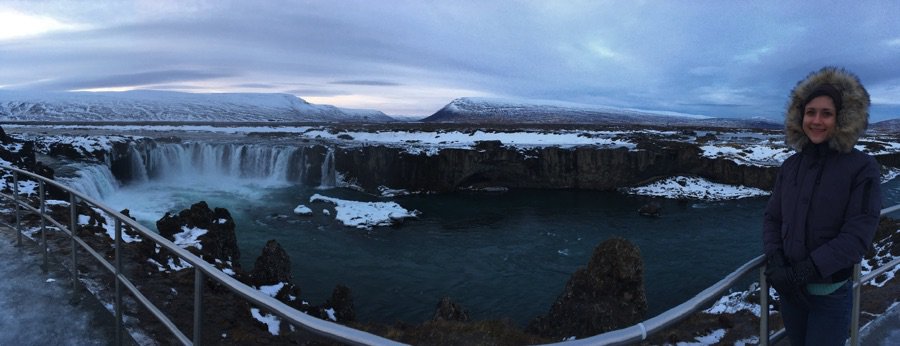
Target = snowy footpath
(38,308)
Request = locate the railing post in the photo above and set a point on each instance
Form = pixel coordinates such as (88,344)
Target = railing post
(763,307)
(44,227)
(73,223)
(18,208)
(119,325)
(854,315)
(198,305)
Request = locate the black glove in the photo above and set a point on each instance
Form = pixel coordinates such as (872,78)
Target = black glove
(804,271)
(790,282)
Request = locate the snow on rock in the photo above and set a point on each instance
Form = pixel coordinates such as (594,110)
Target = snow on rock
(330,312)
(709,339)
(302,210)
(188,237)
(271,321)
(751,155)
(736,301)
(366,215)
(271,290)
(694,188)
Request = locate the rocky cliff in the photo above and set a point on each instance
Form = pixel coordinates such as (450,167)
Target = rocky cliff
(491,164)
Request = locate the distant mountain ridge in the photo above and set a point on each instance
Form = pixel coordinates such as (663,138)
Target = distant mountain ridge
(499,111)
(153,105)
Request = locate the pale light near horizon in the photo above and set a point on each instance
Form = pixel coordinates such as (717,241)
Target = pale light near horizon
(16,25)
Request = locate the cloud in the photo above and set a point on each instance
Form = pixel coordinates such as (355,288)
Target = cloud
(131,80)
(672,56)
(365,82)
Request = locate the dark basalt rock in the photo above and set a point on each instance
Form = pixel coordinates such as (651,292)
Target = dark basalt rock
(273,266)
(652,209)
(606,295)
(219,242)
(447,310)
(342,302)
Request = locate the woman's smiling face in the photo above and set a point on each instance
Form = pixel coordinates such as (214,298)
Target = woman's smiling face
(819,118)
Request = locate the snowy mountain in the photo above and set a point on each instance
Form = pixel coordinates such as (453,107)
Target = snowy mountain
(493,111)
(886,126)
(151,105)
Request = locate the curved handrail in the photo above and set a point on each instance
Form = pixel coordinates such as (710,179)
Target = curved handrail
(324,328)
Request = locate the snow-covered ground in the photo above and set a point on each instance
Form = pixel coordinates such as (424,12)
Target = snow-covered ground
(37,308)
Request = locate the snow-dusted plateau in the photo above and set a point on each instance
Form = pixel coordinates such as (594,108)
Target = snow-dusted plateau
(483,196)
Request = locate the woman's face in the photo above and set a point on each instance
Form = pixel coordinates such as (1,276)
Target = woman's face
(819,118)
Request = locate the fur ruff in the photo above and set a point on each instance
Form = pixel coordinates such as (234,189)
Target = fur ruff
(852,119)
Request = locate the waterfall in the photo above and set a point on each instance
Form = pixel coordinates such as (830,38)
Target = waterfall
(138,168)
(328,174)
(95,181)
(214,161)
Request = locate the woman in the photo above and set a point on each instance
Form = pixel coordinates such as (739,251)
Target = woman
(824,208)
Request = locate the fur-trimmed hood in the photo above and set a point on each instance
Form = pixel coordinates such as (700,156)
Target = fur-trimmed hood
(852,119)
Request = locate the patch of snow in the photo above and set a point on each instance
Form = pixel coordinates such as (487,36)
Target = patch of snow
(188,237)
(736,301)
(271,321)
(694,188)
(708,339)
(751,155)
(366,215)
(271,290)
(330,312)
(180,265)
(302,210)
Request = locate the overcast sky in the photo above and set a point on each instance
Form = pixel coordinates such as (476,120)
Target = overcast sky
(716,58)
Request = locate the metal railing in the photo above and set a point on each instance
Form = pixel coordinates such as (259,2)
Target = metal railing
(334,331)
(202,270)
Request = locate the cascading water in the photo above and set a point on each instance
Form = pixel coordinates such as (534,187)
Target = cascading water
(329,176)
(94,180)
(260,163)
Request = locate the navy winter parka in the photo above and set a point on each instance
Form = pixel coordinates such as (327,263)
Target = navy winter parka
(825,205)
(827,197)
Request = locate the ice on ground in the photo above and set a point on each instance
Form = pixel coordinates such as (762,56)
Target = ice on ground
(34,305)
(694,188)
(366,215)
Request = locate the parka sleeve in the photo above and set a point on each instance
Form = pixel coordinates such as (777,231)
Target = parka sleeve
(860,222)
(772,219)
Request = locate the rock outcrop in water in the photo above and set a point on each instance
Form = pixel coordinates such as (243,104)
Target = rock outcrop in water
(606,295)
(212,230)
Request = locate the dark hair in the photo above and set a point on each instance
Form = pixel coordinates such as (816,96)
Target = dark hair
(824,90)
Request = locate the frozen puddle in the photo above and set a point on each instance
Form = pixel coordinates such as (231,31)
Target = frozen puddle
(37,308)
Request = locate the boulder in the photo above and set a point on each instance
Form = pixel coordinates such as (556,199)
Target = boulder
(341,302)
(273,266)
(447,310)
(606,295)
(219,241)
